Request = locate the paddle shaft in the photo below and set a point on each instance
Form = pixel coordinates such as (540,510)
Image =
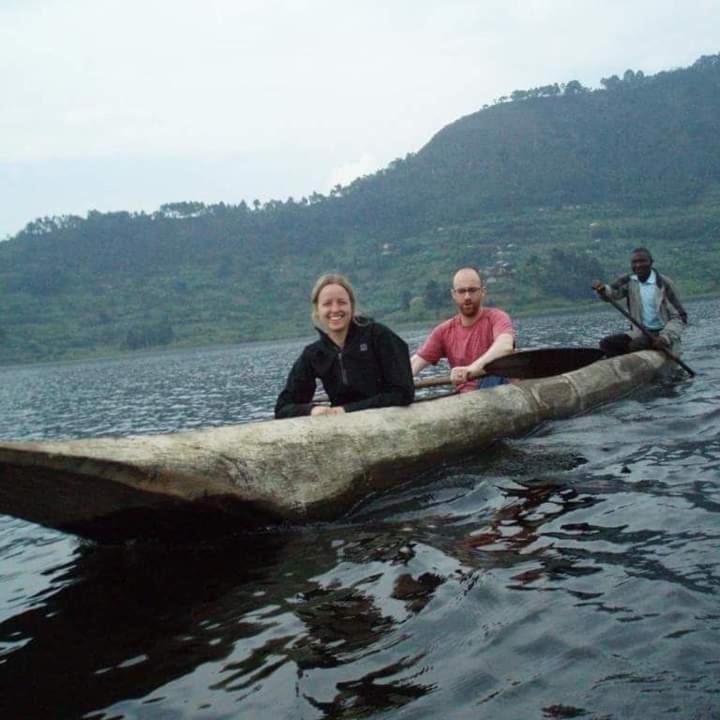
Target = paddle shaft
(648,335)
(541,362)
(433,382)
(419,385)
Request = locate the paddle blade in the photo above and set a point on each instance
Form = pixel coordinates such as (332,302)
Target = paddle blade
(545,362)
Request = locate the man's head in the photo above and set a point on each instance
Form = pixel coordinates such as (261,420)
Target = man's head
(641,263)
(468,292)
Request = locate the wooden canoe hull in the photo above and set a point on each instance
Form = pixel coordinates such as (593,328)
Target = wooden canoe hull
(192,484)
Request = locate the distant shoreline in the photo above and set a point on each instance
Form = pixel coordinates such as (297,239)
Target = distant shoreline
(402,327)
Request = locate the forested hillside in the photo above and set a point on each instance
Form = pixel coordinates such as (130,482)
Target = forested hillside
(545,190)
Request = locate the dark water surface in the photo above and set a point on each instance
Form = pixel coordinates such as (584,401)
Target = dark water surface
(571,573)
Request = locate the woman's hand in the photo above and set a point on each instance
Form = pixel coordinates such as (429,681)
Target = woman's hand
(325,410)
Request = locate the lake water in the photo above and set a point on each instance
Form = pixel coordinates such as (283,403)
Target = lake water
(571,573)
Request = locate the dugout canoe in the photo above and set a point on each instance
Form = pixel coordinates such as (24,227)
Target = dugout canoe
(200,483)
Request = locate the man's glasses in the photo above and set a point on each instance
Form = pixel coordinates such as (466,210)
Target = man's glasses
(466,290)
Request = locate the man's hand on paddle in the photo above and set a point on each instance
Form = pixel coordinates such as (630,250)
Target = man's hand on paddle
(660,343)
(464,373)
(600,289)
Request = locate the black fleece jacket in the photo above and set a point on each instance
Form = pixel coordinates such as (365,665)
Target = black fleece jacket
(372,370)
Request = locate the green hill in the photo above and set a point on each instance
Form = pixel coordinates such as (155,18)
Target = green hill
(544,190)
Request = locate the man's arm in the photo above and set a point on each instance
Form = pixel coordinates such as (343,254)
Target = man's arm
(676,323)
(502,345)
(616,290)
(430,351)
(417,364)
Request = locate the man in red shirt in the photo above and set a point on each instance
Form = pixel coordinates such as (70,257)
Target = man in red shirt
(470,339)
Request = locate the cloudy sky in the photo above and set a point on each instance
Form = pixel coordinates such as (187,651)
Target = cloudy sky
(128,104)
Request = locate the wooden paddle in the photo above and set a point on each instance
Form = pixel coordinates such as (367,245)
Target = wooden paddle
(647,334)
(527,364)
(524,365)
(543,362)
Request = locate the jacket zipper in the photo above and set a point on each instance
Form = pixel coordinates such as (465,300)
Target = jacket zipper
(343,372)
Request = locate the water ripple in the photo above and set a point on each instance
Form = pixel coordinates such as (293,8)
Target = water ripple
(570,573)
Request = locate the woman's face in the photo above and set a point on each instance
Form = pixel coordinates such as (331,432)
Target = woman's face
(334,308)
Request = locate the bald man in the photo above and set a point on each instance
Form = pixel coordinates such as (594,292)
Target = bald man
(471,339)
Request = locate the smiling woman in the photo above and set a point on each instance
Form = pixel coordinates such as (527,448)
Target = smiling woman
(361,364)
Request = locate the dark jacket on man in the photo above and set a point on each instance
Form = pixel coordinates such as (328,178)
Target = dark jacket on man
(372,370)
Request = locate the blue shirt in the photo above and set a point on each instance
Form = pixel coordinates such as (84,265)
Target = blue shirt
(648,289)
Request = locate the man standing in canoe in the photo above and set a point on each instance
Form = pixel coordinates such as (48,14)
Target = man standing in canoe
(471,339)
(652,302)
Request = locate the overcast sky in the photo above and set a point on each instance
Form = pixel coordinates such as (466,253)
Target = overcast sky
(128,104)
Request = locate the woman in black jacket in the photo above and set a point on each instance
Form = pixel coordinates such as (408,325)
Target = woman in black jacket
(361,364)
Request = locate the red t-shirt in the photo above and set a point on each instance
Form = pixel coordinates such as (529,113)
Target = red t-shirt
(463,345)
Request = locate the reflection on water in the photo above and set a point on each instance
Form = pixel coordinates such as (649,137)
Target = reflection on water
(571,573)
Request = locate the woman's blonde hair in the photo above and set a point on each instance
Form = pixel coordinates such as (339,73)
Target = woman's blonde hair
(331,279)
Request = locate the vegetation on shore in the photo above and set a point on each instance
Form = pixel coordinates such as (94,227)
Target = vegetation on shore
(545,191)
